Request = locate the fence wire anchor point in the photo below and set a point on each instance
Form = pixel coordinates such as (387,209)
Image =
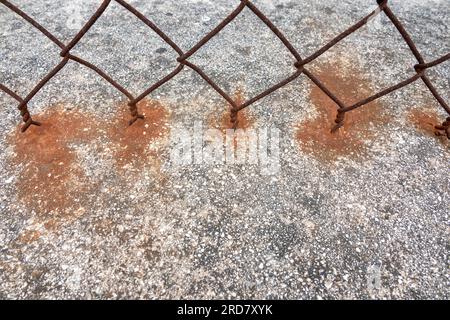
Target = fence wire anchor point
(339,122)
(300,63)
(136,118)
(29,124)
(234,118)
(444,129)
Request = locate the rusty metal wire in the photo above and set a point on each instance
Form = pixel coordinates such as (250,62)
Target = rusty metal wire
(420,68)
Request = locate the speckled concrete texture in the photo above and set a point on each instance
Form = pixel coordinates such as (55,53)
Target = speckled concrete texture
(92,209)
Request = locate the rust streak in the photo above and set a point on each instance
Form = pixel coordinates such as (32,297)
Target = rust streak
(361,125)
(425,122)
(131,143)
(50,180)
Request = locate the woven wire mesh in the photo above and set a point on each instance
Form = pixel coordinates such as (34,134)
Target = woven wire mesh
(183,61)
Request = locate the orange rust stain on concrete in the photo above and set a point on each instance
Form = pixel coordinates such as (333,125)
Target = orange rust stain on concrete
(224,122)
(51,225)
(51,182)
(29,236)
(244,122)
(104,227)
(425,122)
(131,143)
(315,136)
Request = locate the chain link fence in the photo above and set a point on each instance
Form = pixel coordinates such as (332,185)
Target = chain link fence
(301,64)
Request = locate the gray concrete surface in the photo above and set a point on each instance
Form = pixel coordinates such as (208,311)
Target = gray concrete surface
(317,229)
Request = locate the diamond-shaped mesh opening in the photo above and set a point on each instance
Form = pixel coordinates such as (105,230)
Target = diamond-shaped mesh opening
(365,52)
(62,18)
(20,67)
(192,21)
(243,53)
(302,63)
(141,63)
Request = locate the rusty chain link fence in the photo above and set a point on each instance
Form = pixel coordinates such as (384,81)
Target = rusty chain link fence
(420,68)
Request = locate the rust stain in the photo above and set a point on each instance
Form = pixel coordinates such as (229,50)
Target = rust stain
(425,122)
(224,122)
(315,137)
(51,183)
(29,236)
(104,227)
(131,143)
(51,225)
